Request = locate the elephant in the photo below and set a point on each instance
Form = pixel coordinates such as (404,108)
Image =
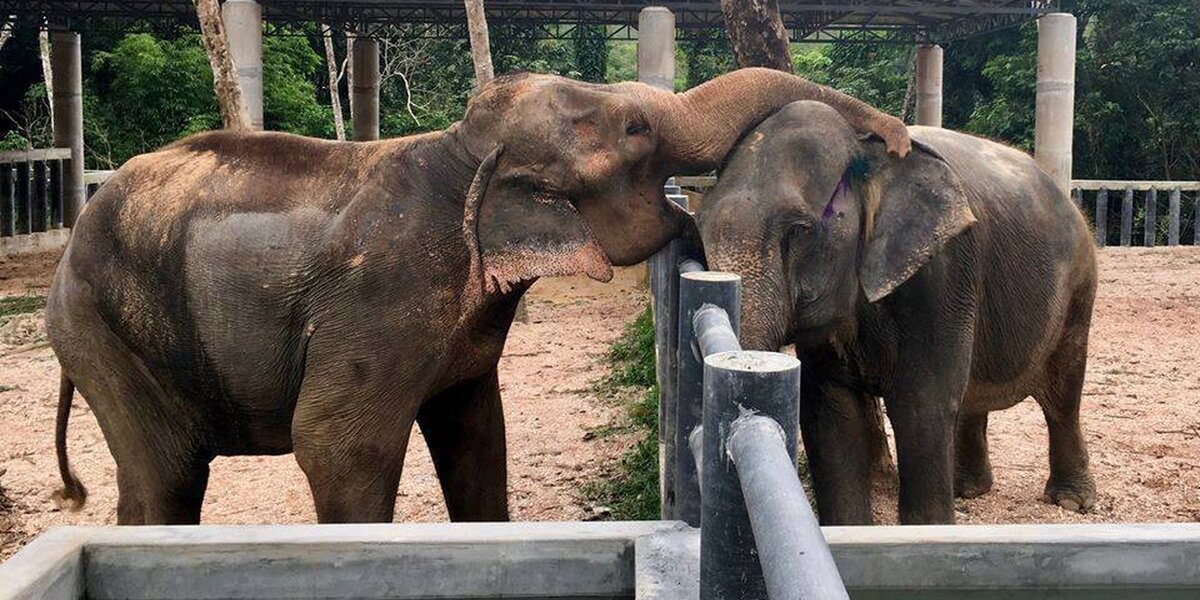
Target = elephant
(952,283)
(250,293)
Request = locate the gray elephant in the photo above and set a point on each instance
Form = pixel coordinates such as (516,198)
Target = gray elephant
(952,283)
(265,293)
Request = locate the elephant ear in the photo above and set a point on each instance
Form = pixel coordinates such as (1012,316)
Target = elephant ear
(918,205)
(515,234)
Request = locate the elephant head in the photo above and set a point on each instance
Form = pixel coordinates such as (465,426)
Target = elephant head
(571,174)
(817,219)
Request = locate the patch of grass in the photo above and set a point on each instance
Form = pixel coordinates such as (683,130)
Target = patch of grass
(632,493)
(19,305)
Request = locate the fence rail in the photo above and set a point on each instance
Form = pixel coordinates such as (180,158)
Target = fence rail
(729,435)
(1162,212)
(31,189)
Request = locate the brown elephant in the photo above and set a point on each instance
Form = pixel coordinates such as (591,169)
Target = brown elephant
(263,293)
(953,283)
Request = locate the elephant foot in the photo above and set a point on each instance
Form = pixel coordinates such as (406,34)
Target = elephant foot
(1077,496)
(973,485)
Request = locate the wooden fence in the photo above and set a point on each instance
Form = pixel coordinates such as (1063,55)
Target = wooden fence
(31,189)
(1163,212)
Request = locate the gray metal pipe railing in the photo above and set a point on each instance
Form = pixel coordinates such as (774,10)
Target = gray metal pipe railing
(795,559)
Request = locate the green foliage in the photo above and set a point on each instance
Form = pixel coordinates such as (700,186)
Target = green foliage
(707,55)
(591,53)
(632,493)
(290,103)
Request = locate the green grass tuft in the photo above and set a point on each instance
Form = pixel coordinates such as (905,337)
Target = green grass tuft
(18,305)
(632,493)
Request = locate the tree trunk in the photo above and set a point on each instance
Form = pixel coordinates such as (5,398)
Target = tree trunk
(756,34)
(47,70)
(6,29)
(481,50)
(335,97)
(910,91)
(234,114)
(350,36)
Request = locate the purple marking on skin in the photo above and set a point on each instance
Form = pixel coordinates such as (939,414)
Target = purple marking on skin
(843,187)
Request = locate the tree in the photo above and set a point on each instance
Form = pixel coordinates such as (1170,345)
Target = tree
(591,53)
(335,98)
(234,114)
(481,50)
(756,34)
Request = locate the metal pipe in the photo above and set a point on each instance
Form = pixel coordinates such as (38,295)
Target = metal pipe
(696,289)
(795,559)
(67,74)
(713,331)
(734,383)
(364,87)
(664,293)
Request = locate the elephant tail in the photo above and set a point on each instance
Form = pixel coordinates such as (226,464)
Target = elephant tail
(73,494)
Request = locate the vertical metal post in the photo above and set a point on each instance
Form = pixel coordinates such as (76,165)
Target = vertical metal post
(1055,117)
(364,86)
(1127,218)
(7,193)
(37,208)
(929,85)
(243,26)
(56,194)
(664,298)
(656,47)
(1102,218)
(21,220)
(696,289)
(67,75)
(1151,225)
(734,383)
(1173,219)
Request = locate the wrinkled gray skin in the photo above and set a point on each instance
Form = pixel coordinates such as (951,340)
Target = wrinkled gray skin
(952,283)
(266,293)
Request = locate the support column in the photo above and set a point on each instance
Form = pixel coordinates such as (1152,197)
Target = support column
(243,26)
(929,85)
(1055,97)
(656,47)
(364,86)
(66,64)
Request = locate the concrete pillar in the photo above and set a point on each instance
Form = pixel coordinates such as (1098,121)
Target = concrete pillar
(1055,97)
(243,26)
(66,64)
(929,85)
(656,47)
(365,88)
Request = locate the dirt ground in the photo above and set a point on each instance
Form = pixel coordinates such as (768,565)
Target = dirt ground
(1141,414)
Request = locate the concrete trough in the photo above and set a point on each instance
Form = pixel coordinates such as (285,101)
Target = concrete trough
(649,560)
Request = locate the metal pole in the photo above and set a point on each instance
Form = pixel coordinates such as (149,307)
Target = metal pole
(656,47)
(929,85)
(696,289)
(1102,218)
(1150,226)
(664,300)
(1055,117)
(734,383)
(795,559)
(67,75)
(365,88)
(1127,218)
(1173,218)
(243,25)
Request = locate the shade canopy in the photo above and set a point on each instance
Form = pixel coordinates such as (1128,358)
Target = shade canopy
(905,21)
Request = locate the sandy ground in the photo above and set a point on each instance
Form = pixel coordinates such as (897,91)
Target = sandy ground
(1141,414)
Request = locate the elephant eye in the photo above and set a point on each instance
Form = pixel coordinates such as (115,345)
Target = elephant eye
(637,128)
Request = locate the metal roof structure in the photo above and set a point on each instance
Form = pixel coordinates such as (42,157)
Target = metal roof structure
(904,21)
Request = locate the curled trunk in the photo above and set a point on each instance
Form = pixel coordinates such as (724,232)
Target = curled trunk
(699,127)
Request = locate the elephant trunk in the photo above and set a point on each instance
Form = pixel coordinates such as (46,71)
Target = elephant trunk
(699,127)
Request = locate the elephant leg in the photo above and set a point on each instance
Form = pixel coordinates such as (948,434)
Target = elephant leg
(972,467)
(351,445)
(155,500)
(1070,485)
(832,427)
(464,428)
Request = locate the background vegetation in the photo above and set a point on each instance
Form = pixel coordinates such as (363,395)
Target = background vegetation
(1137,95)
